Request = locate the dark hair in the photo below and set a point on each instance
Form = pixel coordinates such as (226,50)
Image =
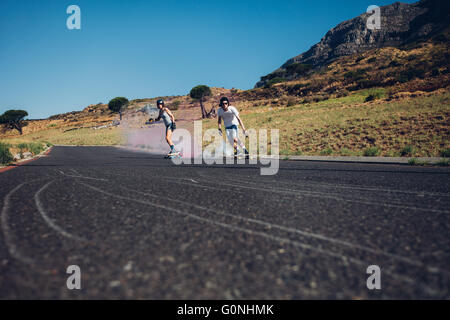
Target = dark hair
(222,100)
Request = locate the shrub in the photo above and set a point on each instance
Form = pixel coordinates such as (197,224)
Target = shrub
(35,147)
(326,152)
(298,68)
(291,102)
(371,152)
(373,59)
(355,75)
(445,153)
(444,163)
(273,81)
(411,73)
(435,72)
(394,63)
(22,146)
(5,155)
(373,95)
(175,105)
(407,151)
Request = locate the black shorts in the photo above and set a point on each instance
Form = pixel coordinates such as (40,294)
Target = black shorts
(170,127)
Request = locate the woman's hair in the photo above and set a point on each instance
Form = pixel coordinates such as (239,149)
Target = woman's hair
(222,100)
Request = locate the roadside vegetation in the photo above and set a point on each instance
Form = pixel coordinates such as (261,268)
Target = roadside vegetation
(82,137)
(350,126)
(8,150)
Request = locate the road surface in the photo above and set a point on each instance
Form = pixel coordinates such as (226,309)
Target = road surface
(141,227)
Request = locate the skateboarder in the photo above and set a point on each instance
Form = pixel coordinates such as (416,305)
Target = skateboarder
(169,122)
(231,120)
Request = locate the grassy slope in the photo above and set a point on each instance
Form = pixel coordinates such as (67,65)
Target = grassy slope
(349,126)
(109,136)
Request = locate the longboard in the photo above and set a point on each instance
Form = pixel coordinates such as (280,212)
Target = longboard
(173,155)
(244,156)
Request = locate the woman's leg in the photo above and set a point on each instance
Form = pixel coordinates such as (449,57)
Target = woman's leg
(169,137)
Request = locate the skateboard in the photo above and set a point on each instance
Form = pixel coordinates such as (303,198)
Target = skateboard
(174,155)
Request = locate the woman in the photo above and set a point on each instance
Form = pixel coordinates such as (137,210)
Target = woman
(169,122)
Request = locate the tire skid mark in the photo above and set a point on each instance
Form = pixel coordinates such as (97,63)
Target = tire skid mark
(297,231)
(10,245)
(261,234)
(342,186)
(47,219)
(293,230)
(292,193)
(295,195)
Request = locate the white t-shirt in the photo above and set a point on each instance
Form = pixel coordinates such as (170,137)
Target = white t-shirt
(229,116)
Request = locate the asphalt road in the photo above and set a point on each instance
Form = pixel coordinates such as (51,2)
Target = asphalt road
(139,226)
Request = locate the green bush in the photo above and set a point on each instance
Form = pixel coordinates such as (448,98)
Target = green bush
(374,95)
(291,102)
(407,151)
(411,73)
(5,155)
(444,163)
(445,153)
(274,80)
(371,152)
(22,146)
(298,68)
(326,152)
(394,63)
(355,75)
(175,105)
(35,147)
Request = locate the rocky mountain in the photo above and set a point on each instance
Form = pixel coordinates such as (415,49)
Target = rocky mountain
(401,24)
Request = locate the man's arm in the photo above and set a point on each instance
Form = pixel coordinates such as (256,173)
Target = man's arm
(219,122)
(241,123)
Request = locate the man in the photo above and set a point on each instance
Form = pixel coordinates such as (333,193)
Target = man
(169,122)
(231,120)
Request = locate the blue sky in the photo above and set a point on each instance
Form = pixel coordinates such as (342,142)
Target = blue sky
(146,48)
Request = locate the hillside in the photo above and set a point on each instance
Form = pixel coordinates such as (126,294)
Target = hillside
(401,24)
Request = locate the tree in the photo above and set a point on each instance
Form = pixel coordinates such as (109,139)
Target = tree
(13,119)
(117,104)
(198,93)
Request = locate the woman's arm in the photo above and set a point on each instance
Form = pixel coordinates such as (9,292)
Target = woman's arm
(170,114)
(159,116)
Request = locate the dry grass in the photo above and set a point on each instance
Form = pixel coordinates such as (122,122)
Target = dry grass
(87,136)
(350,126)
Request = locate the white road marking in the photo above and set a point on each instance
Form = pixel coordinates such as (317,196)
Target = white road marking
(47,219)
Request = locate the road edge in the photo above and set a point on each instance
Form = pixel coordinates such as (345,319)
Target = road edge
(22,162)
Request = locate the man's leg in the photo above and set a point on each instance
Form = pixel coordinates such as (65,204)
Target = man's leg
(231,138)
